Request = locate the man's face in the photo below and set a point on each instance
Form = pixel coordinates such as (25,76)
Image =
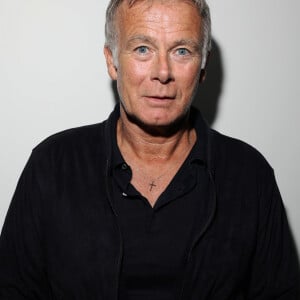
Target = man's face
(158,59)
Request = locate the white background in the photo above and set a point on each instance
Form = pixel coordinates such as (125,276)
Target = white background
(53,77)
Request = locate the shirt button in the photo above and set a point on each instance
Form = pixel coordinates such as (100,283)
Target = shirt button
(124,166)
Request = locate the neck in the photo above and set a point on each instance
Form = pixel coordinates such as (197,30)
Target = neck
(153,145)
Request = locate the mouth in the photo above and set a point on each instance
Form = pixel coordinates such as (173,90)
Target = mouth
(160,97)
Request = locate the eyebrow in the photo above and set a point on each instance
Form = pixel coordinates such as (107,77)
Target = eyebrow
(146,39)
(141,38)
(189,42)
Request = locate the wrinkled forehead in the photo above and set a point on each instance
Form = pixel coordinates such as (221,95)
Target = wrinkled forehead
(126,5)
(131,10)
(167,15)
(158,23)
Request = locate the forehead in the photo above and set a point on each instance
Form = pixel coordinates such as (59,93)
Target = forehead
(160,15)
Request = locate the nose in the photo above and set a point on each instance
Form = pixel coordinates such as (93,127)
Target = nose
(162,69)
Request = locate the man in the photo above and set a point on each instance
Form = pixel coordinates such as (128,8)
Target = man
(151,203)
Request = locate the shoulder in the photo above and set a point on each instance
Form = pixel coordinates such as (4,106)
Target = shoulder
(236,147)
(81,139)
(236,155)
(72,136)
(70,142)
(223,150)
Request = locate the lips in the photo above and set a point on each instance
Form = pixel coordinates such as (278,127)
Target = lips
(161,97)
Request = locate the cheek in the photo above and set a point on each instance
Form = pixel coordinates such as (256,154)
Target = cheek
(188,78)
(132,72)
(131,80)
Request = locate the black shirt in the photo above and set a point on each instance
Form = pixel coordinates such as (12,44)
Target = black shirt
(157,240)
(63,239)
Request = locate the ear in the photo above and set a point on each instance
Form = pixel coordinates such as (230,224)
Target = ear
(203,70)
(111,68)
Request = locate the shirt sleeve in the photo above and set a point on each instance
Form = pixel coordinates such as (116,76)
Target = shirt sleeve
(22,263)
(275,267)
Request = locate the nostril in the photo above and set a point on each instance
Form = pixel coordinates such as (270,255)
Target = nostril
(164,76)
(162,69)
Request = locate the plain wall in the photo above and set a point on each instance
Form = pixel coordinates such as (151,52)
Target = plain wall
(53,77)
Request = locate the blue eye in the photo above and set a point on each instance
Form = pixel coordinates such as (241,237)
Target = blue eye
(183,51)
(142,49)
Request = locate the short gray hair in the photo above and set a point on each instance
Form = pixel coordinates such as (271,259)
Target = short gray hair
(110,30)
